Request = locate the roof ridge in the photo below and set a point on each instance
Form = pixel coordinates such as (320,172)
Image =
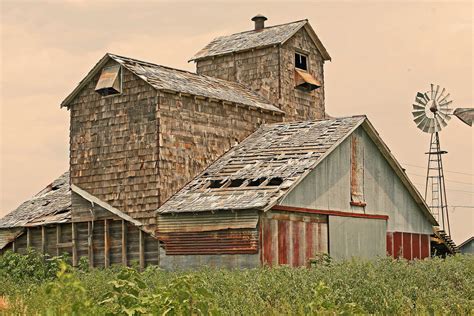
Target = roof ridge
(318,120)
(158,65)
(195,74)
(266,27)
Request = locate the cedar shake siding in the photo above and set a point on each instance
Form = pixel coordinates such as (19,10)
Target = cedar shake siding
(135,149)
(114,145)
(271,72)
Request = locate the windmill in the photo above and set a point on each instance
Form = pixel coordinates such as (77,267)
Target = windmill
(431,112)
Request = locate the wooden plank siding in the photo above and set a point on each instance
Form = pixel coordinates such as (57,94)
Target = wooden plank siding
(103,242)
(292,238)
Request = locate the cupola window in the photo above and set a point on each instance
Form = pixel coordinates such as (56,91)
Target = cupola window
(301,61)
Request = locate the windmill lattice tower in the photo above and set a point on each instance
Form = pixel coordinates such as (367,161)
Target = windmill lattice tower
(431,114)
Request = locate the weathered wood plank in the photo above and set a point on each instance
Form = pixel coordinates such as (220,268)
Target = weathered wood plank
(74,246)
(124,243)
(141,249)
(28,237)
(106,243)
(43,239)
(90,248)
(58,239)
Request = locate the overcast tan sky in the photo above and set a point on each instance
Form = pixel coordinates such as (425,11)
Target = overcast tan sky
(383,53)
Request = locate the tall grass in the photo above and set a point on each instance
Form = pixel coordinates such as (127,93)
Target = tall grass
(383,286)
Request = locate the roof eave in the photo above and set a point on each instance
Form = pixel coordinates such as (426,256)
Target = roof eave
(100,64)
(319,45)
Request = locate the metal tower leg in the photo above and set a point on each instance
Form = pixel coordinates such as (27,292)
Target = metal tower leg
(435,179)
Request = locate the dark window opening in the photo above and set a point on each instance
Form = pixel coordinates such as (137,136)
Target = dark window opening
(215,184)
(257,182)
(301,61)
(236,183)
(275,181)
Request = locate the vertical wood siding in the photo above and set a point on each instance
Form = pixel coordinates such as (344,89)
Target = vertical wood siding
(292,238)
(58,239)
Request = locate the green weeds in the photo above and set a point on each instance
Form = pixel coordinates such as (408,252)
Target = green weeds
(31,284)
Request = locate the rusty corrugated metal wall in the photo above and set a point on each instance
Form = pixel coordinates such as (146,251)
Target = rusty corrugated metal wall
(407,245)
(223,238)
(292,238)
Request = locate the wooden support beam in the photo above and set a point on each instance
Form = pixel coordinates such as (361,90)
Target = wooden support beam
(106,243)
(141,249)
(74,244)
(13,246)
(90,248)
(28,237)
(124,243)
(43,239)
(58,239)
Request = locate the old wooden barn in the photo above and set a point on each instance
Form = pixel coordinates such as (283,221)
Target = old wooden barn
(236,165)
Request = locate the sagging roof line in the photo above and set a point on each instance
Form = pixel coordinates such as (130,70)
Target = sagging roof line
(298,145)
(48,206)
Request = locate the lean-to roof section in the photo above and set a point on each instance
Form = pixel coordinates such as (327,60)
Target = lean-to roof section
(261,169)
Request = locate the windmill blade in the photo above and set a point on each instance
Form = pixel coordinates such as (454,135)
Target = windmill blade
(465,114)
(431,126)
(427,98)
(445,116)
(418,115)
(445,98)
(420,98)
(444,110)
(441,121)
(432,92)
(437,125)
(417,107)
(441,95)
(436,92)
(424,124)
(419,119)
(445,103)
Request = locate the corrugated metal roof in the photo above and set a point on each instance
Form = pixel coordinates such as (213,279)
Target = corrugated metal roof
(206,222)
(51,205)
(263,167)
(272,35)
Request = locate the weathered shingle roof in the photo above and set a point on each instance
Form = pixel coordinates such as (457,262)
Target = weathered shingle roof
(51,205)
(263,167)
(268,36)
(165,78)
